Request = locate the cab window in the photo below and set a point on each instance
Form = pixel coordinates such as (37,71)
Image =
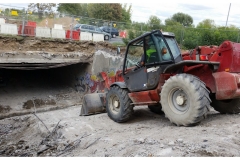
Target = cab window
(135,53)
(150,51)
(162,47)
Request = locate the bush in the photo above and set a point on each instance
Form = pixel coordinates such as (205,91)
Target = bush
(132,34)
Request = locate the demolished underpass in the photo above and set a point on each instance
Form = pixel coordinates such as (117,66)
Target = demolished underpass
(46,74)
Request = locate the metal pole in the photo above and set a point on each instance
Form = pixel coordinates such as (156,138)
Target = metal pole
(111,28)
(238,36)
(228,15)
(23,24)
(181,39)
(26,13)
(71,28)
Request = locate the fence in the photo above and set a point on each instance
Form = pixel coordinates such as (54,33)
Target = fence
(187,37)
(19,21)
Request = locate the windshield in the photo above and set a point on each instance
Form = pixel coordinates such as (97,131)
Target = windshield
(173,46)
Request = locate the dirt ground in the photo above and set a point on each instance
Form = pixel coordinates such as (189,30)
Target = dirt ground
(62,132)
(19,43)
(146,134)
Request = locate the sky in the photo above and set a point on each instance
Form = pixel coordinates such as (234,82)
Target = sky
(141,11)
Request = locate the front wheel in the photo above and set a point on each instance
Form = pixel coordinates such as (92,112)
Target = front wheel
(230,106)
(118,105)
(185,100)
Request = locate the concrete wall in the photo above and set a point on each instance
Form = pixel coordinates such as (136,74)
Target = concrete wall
(58,26)
(90,81)
(88,77)
(43,32)
(104,61)
(2,21)
(8,29)
(58,33)
(98,37)
(85,36)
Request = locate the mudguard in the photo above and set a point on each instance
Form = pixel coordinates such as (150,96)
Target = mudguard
(120,84)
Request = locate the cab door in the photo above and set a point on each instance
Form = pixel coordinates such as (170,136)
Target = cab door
(145,60)
(139,74)
(134,75)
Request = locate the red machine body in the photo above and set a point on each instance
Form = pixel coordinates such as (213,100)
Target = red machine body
(224,82)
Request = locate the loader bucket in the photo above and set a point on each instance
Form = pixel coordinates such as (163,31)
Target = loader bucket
(93,104)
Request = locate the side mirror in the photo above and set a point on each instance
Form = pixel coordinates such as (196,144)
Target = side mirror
(118,50)
(164,50)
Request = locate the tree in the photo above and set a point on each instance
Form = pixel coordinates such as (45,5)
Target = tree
(191,38)
(41,8)
(170,22)
(126,13)
(70,8)
(182,18)
(207,23)
(154,22)
(106,11)
(84,9)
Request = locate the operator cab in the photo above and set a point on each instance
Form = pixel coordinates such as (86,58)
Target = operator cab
(146,58)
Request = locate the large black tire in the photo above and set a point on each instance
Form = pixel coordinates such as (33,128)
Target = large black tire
(231,106)
(118,104)
(185,100)
(156,109)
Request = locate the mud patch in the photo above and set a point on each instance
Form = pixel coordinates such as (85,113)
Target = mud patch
(38,103)
(4,109)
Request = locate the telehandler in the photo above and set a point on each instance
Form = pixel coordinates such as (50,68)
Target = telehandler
(183,86)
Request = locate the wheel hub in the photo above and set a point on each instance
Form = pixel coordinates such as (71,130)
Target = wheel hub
(180,100)
(116,104)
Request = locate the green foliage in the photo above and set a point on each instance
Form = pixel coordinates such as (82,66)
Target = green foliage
(170,22)
(182,18)
(41,8)
(132,34)
(207,23)
(140,26)
(177,30)
(191,38)
(126,13)
(106,11)
(154,22)
(71,8)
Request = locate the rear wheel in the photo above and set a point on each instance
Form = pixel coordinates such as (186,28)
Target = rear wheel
(118,104)
(231,106)
(185,100)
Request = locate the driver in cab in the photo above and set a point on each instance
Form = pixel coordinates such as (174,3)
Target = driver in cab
(150,49)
